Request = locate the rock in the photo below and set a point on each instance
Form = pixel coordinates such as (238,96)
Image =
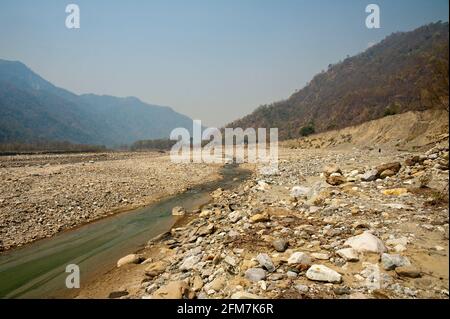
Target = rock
(155,269)
(280,245)
(370,175)
(303,289)
(263,186)
(412,161)
(323,273)
(173,290)
(244,295)
(331,169)
(197,283)
(217,284)
(408,271)
(349,254)
(129,259)
(366,242)
(394,167)
(230,261)
(189,263)
(299,191)
(206,230)
(320,256)
(235,216)
(336,180)
(265,261)
(178,211)
(255,274)
(260,218)
(387,173)
(299,258)
(390,262)
(395,192)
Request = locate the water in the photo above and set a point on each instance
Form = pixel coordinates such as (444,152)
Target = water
(38,270)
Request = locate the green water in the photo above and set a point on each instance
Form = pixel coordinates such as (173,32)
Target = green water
(38,270)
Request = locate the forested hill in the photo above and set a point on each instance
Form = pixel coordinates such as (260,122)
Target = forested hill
(406,71)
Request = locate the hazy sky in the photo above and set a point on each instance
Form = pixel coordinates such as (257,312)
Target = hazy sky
(214,60)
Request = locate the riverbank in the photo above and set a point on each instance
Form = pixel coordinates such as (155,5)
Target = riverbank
(42,195)
(331,224)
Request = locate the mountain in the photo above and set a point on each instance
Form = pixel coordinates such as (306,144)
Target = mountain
(408,71)
(32,108)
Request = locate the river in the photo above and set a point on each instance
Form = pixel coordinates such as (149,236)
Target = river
(37,270)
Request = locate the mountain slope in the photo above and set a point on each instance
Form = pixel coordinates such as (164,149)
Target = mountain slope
(405,72)
(31,108)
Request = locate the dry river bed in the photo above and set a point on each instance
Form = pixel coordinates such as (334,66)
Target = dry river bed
(41,195)
(346,223)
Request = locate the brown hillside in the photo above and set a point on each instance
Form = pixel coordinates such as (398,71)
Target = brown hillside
(405,72)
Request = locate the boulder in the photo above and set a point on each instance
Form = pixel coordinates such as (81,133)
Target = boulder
(280,245)
(259,218)
(349,254)
(370,175)
(155,269)
(323,273)
(129,259)
(408,271)
(265,261)
(394,167)
(173,290)
(336,180)
(299,258)
(189,263)
(366,242)
(300,191)
(390,262)
(255,274)
(331,169)
(387,173)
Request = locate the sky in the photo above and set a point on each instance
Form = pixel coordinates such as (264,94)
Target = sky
(213,60)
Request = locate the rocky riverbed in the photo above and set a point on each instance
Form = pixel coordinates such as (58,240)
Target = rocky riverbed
(41,195)
(331,224)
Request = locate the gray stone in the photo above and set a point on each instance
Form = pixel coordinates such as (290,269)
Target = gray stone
(280,245)
(390,262)
(265,261)
(255,274)
(370,175)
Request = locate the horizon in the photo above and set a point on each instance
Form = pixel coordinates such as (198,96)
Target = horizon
(230,93)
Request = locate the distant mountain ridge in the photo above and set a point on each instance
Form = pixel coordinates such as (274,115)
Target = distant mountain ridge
(408,71)
(32,108)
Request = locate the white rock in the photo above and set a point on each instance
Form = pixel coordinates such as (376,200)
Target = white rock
(129,259)
(255,274)
(323,273)
(299,258)
(299,191)
(189,263)
(366,242)
(349,254)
